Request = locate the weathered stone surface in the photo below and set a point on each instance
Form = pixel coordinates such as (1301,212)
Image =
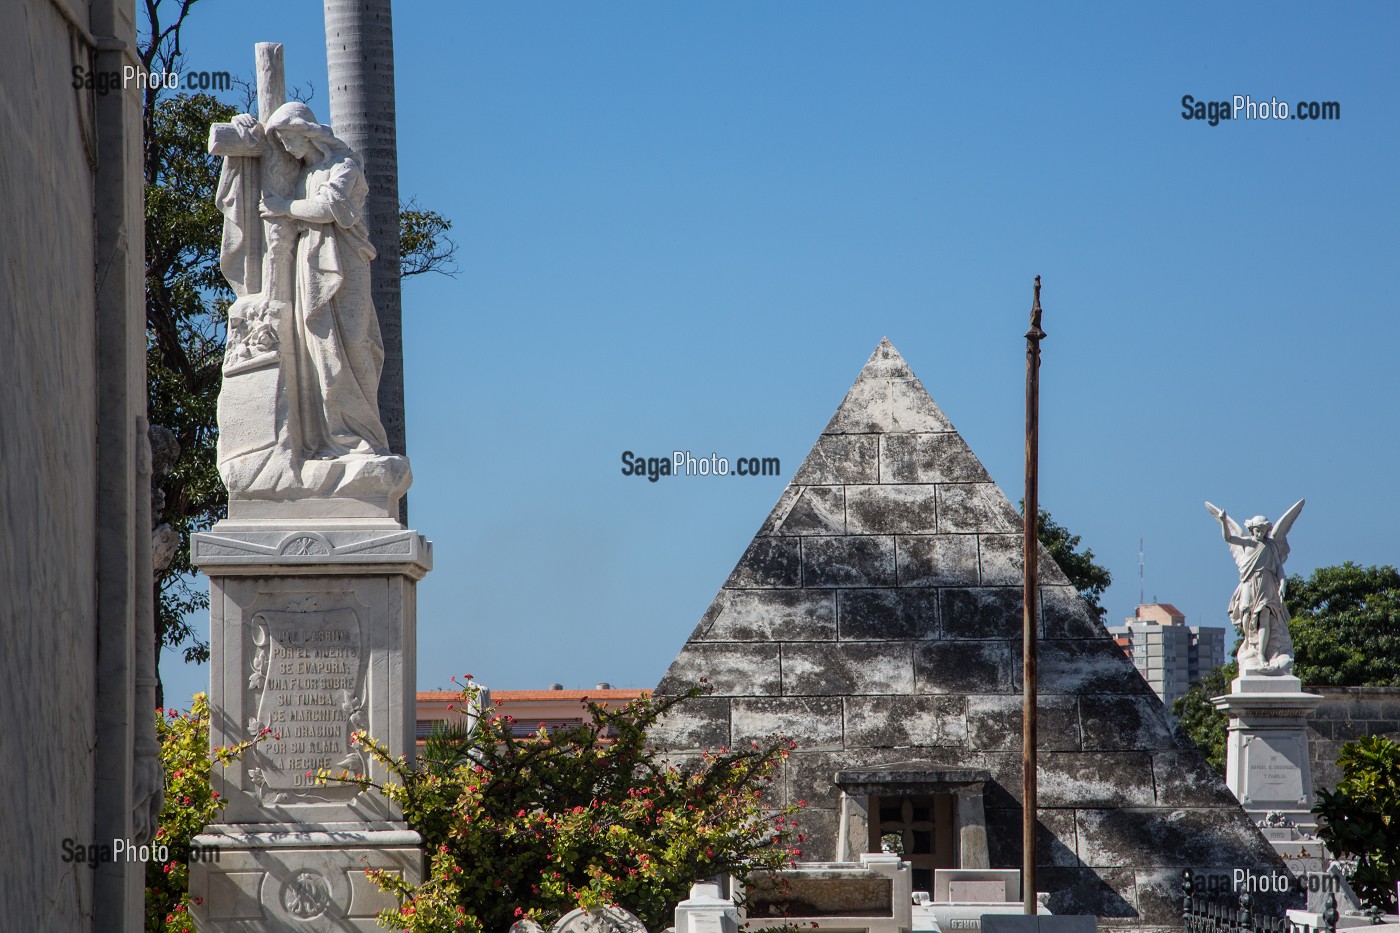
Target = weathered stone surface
(884,510)
(1203,838)
(1065,614)
(1095,779)
(1124,722)
(808,774)
(847,669)
(812,722)
(819,510)
(994,722)
(965,667)
(928,458)
(841,458)
(779,513)
(886,398)
(1054,837)
(1344,714)
(975,507)
(818,893)
(698,723)
(912,409)
(1101,893)
(905,720)
(769,615)
(848,561)
(864,410)
(937,560)
(820,826)
(1088,667)
(984,612)
(732,670)
(1001,557)
(886,614)
(769,562)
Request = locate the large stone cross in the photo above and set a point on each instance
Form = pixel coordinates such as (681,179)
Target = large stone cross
(257,169)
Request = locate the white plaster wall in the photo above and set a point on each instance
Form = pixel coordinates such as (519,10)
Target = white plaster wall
(48,470)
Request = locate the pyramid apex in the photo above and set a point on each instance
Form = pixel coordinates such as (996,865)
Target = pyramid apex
(886,362)
(887,397)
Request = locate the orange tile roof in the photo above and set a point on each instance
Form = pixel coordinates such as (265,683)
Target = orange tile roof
(498,696)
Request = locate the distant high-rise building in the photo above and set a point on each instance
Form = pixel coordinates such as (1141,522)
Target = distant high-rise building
(1170,654)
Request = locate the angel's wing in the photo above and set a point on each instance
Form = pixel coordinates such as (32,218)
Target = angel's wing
(1285,521)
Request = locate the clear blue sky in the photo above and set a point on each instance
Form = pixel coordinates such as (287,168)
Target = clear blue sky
(686,226)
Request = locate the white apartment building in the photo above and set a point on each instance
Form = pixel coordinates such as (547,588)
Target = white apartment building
(1170,654)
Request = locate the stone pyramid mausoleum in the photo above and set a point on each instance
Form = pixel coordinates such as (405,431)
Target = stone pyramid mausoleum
(875,619)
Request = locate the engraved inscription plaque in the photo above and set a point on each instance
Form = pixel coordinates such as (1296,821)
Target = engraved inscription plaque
(307,685)
(1273,770)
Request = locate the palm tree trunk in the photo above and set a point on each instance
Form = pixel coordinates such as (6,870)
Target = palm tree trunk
(360,60)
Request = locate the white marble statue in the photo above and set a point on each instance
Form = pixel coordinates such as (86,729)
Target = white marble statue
(299,411)
(1257,608)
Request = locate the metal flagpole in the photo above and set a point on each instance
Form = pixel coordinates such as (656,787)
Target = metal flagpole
(1028,619)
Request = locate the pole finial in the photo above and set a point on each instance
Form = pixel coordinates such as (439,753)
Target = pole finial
(1035,333)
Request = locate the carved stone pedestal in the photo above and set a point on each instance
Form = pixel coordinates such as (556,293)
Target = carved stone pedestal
(312,637)
(1267,754)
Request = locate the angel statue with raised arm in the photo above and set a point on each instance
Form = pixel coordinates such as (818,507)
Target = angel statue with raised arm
(1257,609)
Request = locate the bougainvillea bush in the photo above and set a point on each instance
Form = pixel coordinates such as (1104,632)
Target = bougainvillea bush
(585,816)
(190,804)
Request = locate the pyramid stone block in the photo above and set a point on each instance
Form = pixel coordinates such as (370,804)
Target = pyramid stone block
(875,619)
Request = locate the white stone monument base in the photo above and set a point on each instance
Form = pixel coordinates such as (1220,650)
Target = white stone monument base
(299,879)
(1266,764)
(312,641)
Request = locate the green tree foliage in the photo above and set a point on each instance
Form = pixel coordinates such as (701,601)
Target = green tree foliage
(1361,818)
(1205,724)
(1346,626)
(576,817)
(185,300)
(1088,577)
(190,804)
(186,303)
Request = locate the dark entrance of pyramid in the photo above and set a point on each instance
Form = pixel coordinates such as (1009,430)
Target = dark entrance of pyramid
(934,818)
(919,828)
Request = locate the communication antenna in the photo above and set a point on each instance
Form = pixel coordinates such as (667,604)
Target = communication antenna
(1141,573)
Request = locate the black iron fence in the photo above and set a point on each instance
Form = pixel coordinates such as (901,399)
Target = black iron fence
(1213,913)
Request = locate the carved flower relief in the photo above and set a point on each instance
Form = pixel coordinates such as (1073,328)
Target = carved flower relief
(259,673)
(252,334)
(265,794)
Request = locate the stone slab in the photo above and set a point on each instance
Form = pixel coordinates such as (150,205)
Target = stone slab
(886,614)
(936,560)
(812,722)
(894,721)
(852,560)
(847,669)
(298,881)
(769,615)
